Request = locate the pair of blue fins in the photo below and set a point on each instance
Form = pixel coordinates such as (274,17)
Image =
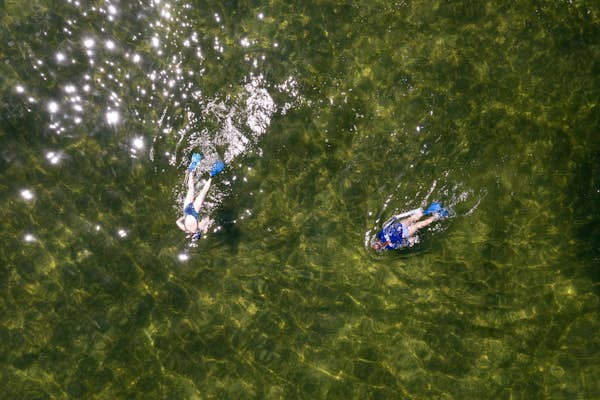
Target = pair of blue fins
(196,158)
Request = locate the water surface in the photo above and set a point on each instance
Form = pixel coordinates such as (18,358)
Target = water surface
(330,116)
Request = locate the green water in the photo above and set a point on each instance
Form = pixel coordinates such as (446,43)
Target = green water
(331,116)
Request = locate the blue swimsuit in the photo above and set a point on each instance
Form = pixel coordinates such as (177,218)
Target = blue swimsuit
(396,233)
(189,210)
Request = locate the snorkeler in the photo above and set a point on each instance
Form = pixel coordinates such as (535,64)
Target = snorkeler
(397,233)
(190,222)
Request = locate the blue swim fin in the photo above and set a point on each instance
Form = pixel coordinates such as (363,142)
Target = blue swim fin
(217,167)
(435,207)
(196,158)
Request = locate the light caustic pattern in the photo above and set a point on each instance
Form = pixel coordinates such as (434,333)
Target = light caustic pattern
(137,85)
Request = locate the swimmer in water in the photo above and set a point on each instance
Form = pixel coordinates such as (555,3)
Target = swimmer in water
(399,233)
(190,222)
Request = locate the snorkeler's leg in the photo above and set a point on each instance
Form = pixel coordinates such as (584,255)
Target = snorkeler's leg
(189,197)
(412,229)
(413,218)
(200,199)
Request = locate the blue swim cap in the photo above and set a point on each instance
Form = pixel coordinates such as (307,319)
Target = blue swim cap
(196,236)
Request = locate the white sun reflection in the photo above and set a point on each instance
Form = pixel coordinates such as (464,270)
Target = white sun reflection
(53,157)
(29,238)
(70,89)
(183,257)
(89,43)
(166,14)
(27,194)
(110,45)
(53,107)
(20,89)
(122,233)
(138,143)
(112,117)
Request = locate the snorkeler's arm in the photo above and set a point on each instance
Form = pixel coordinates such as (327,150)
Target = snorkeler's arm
(179,223)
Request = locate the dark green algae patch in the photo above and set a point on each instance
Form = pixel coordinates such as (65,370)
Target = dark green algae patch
(492,107)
